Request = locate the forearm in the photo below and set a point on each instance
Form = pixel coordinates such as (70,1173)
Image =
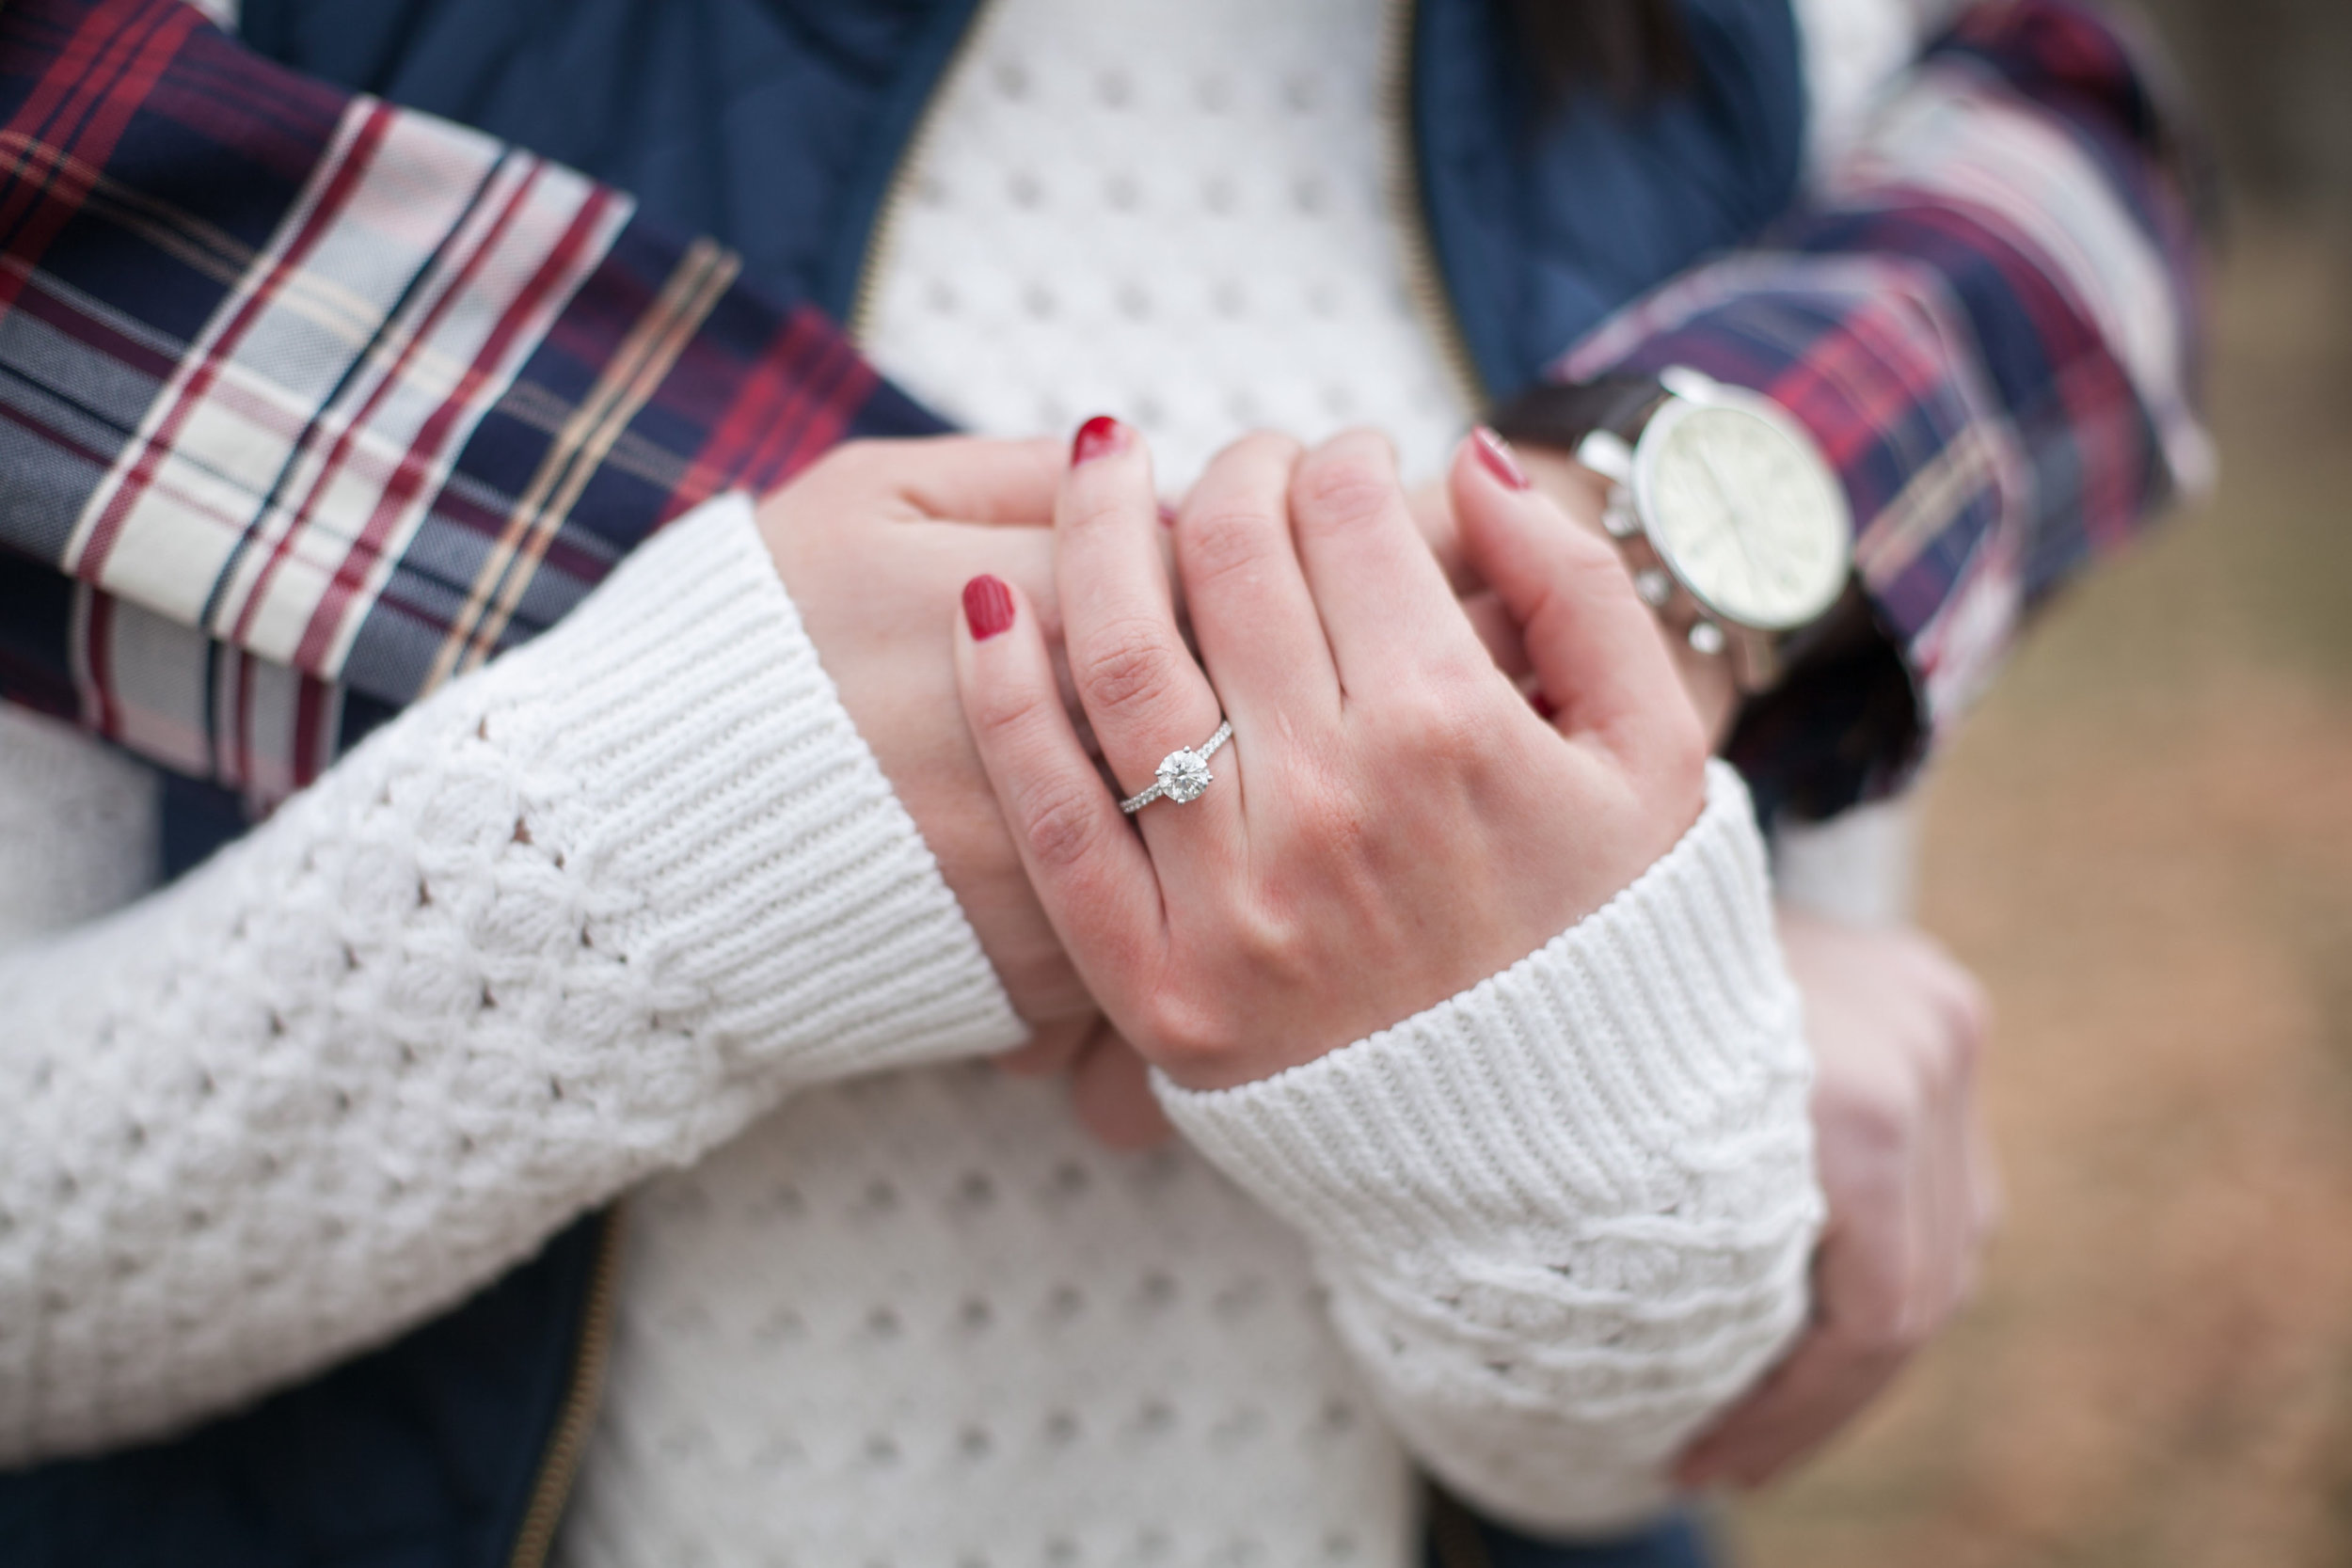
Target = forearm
(575,918)
(1566,1217)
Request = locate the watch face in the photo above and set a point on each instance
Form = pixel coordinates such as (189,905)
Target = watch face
(1745,514)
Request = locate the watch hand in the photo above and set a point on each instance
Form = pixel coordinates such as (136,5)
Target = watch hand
(1739,519)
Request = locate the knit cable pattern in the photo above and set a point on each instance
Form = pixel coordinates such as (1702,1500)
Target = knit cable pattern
(575,919)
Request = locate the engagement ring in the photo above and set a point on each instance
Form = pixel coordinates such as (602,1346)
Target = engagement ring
(1183,774)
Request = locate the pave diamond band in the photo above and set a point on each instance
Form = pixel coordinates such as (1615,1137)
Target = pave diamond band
(1182,774)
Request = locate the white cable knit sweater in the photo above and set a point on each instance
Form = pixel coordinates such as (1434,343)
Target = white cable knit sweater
(582,916)
(558,928)
(581,922)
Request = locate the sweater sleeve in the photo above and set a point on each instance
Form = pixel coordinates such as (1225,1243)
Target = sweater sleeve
(1566,1216)
(578,917)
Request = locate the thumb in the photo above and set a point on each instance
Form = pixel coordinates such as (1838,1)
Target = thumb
(1593,645)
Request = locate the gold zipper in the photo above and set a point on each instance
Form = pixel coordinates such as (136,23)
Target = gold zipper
(884,240)
(1423,283)
(552,1487)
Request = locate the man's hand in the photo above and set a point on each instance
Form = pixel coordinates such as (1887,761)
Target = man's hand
(1897,1027)
(874,543)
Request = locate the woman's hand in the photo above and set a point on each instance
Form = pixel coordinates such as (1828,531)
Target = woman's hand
(873,542)
(1582,495)
(1391,823)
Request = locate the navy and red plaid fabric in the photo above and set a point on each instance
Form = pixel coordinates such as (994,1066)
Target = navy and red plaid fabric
(1987,317)
(307,402)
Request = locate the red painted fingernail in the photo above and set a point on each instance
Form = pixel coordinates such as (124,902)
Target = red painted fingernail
(1496,453)
(1542,704)
(1096,437)
(987,607)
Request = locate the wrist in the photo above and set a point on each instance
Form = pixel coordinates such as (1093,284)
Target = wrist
(762,869)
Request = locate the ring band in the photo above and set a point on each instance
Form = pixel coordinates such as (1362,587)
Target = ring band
(1182,774)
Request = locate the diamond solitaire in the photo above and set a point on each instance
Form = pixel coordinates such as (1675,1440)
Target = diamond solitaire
(1182,774)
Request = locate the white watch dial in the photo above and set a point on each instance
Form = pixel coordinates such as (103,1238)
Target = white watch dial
(1745,513)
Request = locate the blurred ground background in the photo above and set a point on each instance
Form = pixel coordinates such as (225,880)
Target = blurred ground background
(2143,842)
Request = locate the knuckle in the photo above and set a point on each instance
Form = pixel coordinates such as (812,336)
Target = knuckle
(1889,1330)
(1341,487)
(1224,543)
(1881,1119)
(1340,822)
(1682,748)
(999,711)
(1061,826)
(1463,674)
(1127,667)
(1910,1332)
(1268,936)
(1324,815)
(1671,754)
(1585,569)
(1935,1065)
(1040,981)
(1963,1045)
(1097,509)
(1427,717)
(1276,448)
(1948,1060)
(1187,1033)
(1943,1072)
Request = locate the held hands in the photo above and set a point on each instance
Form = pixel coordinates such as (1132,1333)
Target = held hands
(873,542)
(1391,823)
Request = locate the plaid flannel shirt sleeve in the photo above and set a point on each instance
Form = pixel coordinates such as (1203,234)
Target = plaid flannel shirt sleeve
(307,402)
(1988,316)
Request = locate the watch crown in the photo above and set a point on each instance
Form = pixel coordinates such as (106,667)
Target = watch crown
(1606,454)
(1654,586)
(1684,381)
(1707,637)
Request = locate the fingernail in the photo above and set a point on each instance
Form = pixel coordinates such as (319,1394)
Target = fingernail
(1496,453)
(1543,707)
(1096,437)
(1168,515)
(987,607)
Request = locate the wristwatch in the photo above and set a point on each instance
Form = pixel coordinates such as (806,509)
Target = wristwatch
(1730,517)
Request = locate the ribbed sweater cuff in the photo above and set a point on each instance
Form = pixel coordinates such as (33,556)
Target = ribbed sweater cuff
(1591,1080)
(773,878)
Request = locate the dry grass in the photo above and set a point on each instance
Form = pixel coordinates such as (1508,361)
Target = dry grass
(2144,845)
